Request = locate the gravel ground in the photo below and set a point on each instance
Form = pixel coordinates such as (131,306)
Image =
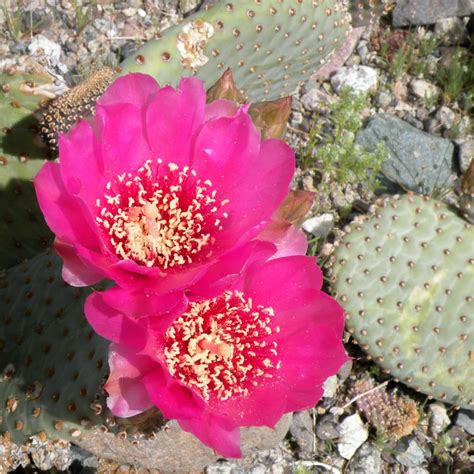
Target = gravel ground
(336,436)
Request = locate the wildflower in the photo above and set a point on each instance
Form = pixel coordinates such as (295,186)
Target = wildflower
(158,186)
(244,356)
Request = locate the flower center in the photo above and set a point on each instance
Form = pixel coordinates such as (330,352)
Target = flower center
(162,222)
(222,346)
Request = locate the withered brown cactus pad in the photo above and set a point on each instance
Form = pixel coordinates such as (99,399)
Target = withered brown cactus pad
(396,416)
(76,103)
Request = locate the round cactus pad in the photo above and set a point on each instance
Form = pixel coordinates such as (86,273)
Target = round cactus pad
(405,276)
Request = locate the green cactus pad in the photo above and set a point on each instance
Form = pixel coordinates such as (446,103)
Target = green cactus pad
(23,232)
(271,46)
(53,363)
(405,277)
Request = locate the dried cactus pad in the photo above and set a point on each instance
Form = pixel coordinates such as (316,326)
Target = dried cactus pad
(53,364)
(405,276)
(271,46)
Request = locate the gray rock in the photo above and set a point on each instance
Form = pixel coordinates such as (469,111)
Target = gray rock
(366,460)
(409,453)
(301,429)
(223,467)
(465,420)
(416,161)
(417,470)
(451,31)
(423,89)
(425,12)
(165,452)
(359,78)
(353,433)
(327,428)
(384,99)
(314,98)
(439,418)
(447,117)
(466,154)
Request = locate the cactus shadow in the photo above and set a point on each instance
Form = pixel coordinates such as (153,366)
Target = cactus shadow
(23,140)
(23,230)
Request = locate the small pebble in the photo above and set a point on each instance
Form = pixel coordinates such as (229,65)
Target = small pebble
(353,433)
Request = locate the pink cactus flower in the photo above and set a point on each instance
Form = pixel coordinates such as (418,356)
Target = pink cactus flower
(159,186)
(242,357)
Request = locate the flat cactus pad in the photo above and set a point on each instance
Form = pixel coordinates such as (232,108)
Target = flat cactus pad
(405,277)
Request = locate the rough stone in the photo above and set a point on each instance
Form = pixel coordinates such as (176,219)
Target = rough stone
(465,420)
(423,89)
(314,98)
(353,433)
(409,453)
(451,31)
(366,460)
(384,99)
(439,418)
(416,160)
(425,12)
(40,45)
(327,428)
(319,226)
(360,78)
(301,429)
(447,117)
(165,452)
(466,154)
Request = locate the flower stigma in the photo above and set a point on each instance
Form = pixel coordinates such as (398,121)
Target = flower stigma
(223,347)
(163,221)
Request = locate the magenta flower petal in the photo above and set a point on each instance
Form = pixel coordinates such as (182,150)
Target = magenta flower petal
(152,192)
(113,325)
(174,400)
(75,271)
(173,118)
(216,433)
(59,206)
(225,271)
(81,165)
(247,355)
(127,395)
(124,145)
(289,240)
(135,89)
(280,273)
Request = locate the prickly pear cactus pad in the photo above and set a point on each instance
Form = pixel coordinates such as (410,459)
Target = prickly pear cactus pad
(23,232)
(271,45)
(405,277)
(53,363)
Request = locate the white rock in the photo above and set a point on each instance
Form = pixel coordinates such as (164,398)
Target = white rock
(141,12)
(466,154)
(359,78)
(439,418)
(446,116)
(451,30)
(314,98)
(353,434)
(42,45)
(129,12)
(319,226)
(330,386)
(423,89)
